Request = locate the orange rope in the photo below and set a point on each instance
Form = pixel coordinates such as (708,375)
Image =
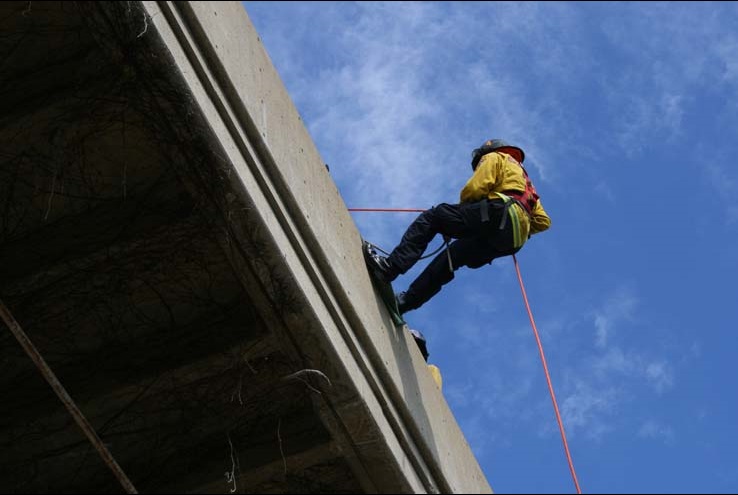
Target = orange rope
(548,379)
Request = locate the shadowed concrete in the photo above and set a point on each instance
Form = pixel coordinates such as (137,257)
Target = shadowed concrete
(172,243)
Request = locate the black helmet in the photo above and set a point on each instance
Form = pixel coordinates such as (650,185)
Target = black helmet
(490,146)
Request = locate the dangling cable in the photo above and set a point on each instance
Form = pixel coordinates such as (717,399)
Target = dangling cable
(548,379)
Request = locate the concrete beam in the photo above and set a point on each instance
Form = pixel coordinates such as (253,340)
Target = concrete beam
(278,183)
(148,232)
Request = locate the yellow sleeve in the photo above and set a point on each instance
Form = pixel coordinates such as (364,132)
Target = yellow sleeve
(485,179)
(539,220)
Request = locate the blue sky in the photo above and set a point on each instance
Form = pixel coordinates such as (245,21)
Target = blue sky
(628,113)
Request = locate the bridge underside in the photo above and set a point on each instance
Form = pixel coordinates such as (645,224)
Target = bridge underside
(114,263)
(172,243)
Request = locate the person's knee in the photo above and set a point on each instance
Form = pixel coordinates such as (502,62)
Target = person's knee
(429,217)
(407,301)
(475,264)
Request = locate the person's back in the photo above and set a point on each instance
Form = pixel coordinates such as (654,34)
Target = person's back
(499,210)
(499,173)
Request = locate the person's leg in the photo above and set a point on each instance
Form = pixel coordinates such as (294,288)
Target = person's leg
(471,252)
(488,243)
(447,219)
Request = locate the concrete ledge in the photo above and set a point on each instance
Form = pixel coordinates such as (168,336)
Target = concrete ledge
(390,420)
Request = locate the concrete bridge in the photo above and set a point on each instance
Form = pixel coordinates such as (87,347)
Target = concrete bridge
(173,245)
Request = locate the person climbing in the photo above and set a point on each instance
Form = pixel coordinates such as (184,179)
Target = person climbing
(499,210)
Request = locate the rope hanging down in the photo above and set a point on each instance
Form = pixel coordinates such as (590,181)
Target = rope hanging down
(548,379)
(538,341)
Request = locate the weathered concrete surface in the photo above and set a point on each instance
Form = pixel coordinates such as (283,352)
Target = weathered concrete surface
(173,244)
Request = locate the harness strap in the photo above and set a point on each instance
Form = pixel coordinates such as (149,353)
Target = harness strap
(485,210)
(448,254)
(508,203)
(503,222)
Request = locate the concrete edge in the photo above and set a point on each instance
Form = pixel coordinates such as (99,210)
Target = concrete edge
(378,382)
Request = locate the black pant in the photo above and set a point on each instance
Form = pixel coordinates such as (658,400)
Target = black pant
(478,242)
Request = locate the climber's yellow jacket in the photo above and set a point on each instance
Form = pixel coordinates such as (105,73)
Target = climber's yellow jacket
(498,172)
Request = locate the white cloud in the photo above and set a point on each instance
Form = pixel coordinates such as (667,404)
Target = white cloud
(618,307)
(725,184)
(586,408)
(721,180)
(660,375)
(652,429)
(661,71)
(406,90)
(604,385)
(403,91)
(399,93)
(615,372)
(725,51)
(594,390)
(695,350)
(615,361)
(602,329)
(605,191)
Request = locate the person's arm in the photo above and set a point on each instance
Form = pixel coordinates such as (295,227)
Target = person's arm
(483,181)
(539,219)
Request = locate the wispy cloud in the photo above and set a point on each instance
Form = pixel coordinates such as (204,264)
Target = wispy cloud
(409,89)
(405,90)
(725,184)
(586,408)
(614,372)
(660,375)
(663,74)
(658,70)
(618,307)
(721,180)
(596,388)
(604,190)
(652,429)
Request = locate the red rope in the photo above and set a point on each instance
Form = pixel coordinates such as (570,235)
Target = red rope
(385,209)
(548,379)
